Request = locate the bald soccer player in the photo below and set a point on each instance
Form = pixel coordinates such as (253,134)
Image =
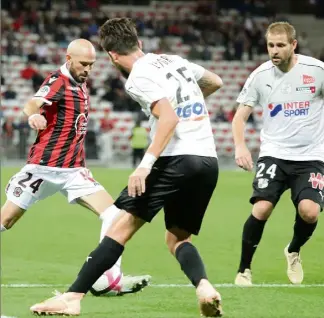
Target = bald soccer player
(59,111)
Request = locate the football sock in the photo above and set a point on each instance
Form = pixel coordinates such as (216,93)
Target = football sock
(2,228)
(252,233)
(302,233)
(99,260)
(191,262)
(107,218)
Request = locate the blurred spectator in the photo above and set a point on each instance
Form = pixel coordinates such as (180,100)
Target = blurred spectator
(23,130)
(32,56)
(303,44)
(28,72)
(37,80)
(239,42)
(231,114)
(85,34)
(91,144)
(220,116)
(188,35)
(139,142)
(194,53)
(206,54)
(9,93)
(106,139)
(7,136)
(93,27)
(41,50)
(164,45)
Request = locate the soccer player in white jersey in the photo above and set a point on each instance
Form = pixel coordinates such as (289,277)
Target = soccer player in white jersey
(290,89)
(56,161)
(178,172)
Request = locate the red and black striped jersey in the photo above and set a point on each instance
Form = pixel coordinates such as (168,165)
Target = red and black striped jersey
(66,106)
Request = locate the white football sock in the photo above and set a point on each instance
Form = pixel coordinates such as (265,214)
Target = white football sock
(2,228)
(107,218)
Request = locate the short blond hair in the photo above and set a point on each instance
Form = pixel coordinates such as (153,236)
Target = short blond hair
(282,27)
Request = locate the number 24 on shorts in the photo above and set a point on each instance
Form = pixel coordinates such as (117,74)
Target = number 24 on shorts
(24,183)
(271,171)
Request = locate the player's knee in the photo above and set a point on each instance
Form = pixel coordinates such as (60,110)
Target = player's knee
(10,213)
(309,210)
(175,237)
(262,209)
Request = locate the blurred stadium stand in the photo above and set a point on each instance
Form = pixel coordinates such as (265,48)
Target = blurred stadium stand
(225,36)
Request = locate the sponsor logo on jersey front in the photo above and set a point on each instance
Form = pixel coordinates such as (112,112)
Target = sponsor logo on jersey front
(289,109)
(81,124)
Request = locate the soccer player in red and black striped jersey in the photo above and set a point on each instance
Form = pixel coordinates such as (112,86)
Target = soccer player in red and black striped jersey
(56,163)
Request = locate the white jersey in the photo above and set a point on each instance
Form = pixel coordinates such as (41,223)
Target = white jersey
(154,77)
(293,109)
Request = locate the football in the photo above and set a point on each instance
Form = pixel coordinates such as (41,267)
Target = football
(108,284)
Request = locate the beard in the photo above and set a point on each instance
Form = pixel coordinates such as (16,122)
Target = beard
(123,72)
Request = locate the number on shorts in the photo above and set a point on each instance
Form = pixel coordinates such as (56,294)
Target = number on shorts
(34,185)
(271,171)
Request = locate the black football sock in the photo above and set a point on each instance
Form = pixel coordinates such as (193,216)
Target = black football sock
(100,260)
(252,233)
(302,233)
(191,262)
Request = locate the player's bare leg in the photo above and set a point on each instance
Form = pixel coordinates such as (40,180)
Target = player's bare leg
(305,224)
(101,259)
(101,203)
(252,233)
(179,244)
(10,214)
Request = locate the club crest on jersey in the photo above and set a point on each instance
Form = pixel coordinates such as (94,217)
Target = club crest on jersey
(308,79)
(263,183)
(289,109)
(286,88)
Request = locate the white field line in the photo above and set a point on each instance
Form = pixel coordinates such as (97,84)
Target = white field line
(170,285)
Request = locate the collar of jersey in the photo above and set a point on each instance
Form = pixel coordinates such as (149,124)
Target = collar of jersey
(64,70)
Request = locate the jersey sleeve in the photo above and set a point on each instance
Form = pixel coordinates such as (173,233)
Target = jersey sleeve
(249,94)
(51,90)
(197,70)
(145,91)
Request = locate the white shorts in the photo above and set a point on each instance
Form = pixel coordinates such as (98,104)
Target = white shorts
(34,183)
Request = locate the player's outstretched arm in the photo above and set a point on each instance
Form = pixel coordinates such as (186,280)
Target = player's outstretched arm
(209,83)
(35,119)
(243,156)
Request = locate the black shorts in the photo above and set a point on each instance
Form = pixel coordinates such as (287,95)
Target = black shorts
(274,176)
(182,185)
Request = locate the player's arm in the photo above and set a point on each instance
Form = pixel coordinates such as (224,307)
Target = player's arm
(50,91)
(248,98)
(32,110)
(209,83)
(167,122)
(243,156)
(238,124)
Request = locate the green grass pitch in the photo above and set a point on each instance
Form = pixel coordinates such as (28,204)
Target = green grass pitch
(51,242)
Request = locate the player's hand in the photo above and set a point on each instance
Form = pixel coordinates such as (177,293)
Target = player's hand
(243,158)
(37,122)
(136,182)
